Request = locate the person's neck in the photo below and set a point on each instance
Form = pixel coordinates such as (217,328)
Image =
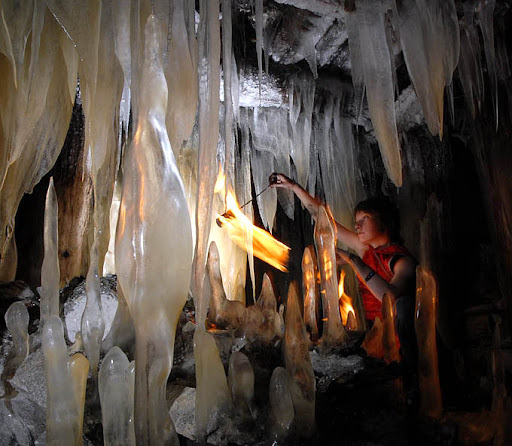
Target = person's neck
(381,241)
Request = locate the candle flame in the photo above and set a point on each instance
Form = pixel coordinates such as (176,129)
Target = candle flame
(345,300)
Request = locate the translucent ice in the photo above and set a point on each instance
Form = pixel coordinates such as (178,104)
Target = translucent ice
(116,382)
(429,35)
(389,345)
(298,365)
(373,341)
(16,320)
(241,383)
(50,276)
(425,324)
(267,298)
(208,115)
(153,247)
(325,241)
(371,66)
(310,292)
(78,366)
(122,331)
(281,402)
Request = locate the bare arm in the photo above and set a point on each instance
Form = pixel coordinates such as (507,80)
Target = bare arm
(404,271)
(345,235)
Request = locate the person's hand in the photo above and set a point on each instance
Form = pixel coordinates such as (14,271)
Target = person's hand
(342,257)
(280,180)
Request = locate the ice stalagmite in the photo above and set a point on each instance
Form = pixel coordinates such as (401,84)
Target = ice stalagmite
(372,343)
(181,77)
(153,247)
(267,298)
(50,275)
(369,53)
(16,320)
(281,403)
(78,367)
(116,381)
(209,81)
(389,345)
(325,241)
(122,331)
(212,393)
(241,383)
(429,35)
(298,365)
(426,308)
(63,414)
(310,292)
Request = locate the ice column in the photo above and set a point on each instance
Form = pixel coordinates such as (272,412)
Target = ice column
(325,241)
(16,319)
(425,324)
(209,81)
(116,381)
(50,272)
(389,346)
(153,247)
(310,292)
(370,54)
(298,365)
(241,383)
(429,35)
(64,415)
(281,402)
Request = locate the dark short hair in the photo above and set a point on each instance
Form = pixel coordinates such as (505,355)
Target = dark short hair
(385,213)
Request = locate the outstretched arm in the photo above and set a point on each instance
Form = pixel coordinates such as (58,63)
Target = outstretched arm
(404,271)
(345,236)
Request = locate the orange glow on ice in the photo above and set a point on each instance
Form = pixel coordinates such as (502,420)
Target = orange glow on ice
(345,300)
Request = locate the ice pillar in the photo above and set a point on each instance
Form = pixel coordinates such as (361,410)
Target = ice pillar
(116,381)
(425,324)
(325,240)
(153,247)
(281,402)
(310,292)
(241,383)
(298,365)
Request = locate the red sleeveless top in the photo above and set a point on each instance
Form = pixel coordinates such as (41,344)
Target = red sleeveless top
(379,259)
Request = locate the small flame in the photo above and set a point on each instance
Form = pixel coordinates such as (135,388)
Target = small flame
(344,300)
(241,230)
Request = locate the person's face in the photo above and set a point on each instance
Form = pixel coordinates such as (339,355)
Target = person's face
(367,227)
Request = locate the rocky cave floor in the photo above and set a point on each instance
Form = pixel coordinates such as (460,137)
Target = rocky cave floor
(359,400)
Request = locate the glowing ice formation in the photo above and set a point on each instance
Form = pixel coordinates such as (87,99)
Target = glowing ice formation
(425,324)
(153,247)
(389,346)
(367,36)
(50,275)
(65,387)
(116,387)
(298,365)
(310,292)
(429,35)
(16,320)
(241,383)
(372,343)
(325,241)
(281,402)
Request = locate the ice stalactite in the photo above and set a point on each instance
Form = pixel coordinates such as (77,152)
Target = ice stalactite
(310,292)
(485,17)
(116,388)
(181,74)
(43,133)
(425,324)
(208,115)
(241,383)
(470,66)
(212,392)
(325,241)
(302,98)
(64,382)
(153,246)
(50,271)
(371,67)
(298,365)
(429,36)
(389,346)
(16,320)
(281,403)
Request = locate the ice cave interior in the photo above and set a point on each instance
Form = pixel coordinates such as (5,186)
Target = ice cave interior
(155,290)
